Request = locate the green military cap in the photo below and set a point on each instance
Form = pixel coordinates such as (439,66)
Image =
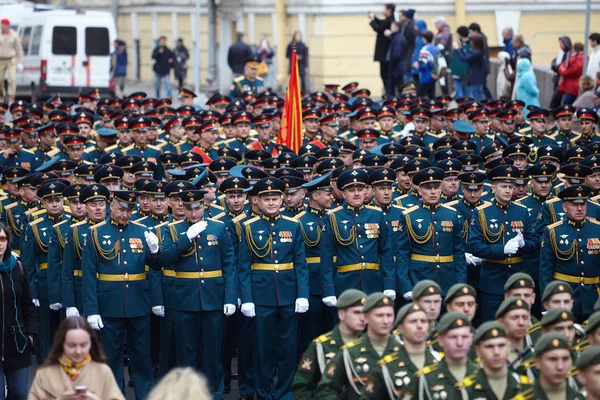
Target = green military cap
(453,320)
(376,300)
(589,357)
(351,298)
(511,303)
(520,280)
(405,311)
(556,287)
(555,316)
(551,341)
(593,323)
(459,289)
(426,288)
(489,330)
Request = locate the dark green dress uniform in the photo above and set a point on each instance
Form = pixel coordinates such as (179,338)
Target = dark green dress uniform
(570,252)
(493,226)
(205,280)
(273,275)
(359,237)
(243,84)
(23,158)
(16,218)
(116,287)
(35,244)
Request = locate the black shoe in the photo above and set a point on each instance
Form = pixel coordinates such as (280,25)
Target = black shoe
(226,388)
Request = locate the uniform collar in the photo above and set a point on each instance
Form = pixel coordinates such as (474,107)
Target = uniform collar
(471,205)
(192,223)
(315,211)
(233,215)
(351,208)
(159,218)
(140,147)
(115,223)
(540,198)
(243,140)
(76,220)
(295,210)
(576,224)
(401,191)
(55,218)
(429,207)
(383,208)
(449,198)
(500,205)
(271,219)
(205,149)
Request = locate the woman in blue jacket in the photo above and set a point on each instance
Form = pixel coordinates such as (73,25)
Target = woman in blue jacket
(477,70)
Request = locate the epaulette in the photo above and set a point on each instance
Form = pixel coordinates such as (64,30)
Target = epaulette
(175,222)
(466,382)
(239,217)
(593,221)
(338,208)
(88,150)
(239,78)
(80,223)
(526,395)
(218,207)
(483,206)
(451,203)
(528,364)
(162,224)
(138,224)
(297,217)
(388,358)
(141,219)
(27,150)
(448,207)
(524,380)
(552,200)
(410,209)
(214,219)
(405,195)
(554,225)
(53,152)
(98,225)
(519,200)
(398,207)
(154,147)
(289,219)
(110,148)
(60,223)
(126,149)
(11,205)
(520,205)
(160,145)
(322,338)
(37,221)
(30,211)
(251,220)
(351,344)
(376,208)
(258,79)
(573,371)
(426,370)
(533,328)
(36,213)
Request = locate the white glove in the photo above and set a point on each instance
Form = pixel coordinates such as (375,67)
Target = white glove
(330,301)
(511,247)
(408,129)
(196,229)
(407,296)
(72,312)
(476,260)
(390,293)
(301,305)
(36,302)
(151,241)
(228,309)
(520,239)
(55,306)
(95,322)
(249,310)
(159,311)
(20,67)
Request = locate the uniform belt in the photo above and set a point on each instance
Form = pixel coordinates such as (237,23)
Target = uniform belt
(580,280)
(43,266)
(272,267)
(77,272)
(313,260)
(146,268)
(431,259)
(169,273)
(121,277)
(199,274)
(358,267)
(506,261)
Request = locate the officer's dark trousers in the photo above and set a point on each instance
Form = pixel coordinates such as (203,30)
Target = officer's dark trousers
(167,356)
(280,324)
(489,305)
(48,321)
(136,331)
(201,331)
(245,356)
(316,321)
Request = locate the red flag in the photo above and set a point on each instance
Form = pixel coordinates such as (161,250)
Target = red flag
(290,133)
(205,158)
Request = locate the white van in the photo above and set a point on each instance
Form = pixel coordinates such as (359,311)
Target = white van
(65,52)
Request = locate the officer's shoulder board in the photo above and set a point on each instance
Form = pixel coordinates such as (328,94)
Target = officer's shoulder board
(162,224)
(218,207)
(239,78)
(554,225)
(289,219)
(451,203)
(126,149)
(98,225)
(175,222)
(533,328)
(388,358)
(448,207)
(11,205)
(111,148)
(300,215)
(37,221)
(87,150)
(322,338)
(60,223)
(26,150)
(528,394)
(79,223)
(38,213)
(251,220)
(483,206)
(154,147)
(338,208)
(427,369)
(53,152)
(139,224)
(398,207)
(139,221)
(520,205)
(552,200)
(410,209)
(30,211)
(593,221)
(351,344)
(466,382)
(239,217)
(216,219)
(376,208)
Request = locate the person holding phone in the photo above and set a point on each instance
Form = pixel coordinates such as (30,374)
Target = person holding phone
(76,367)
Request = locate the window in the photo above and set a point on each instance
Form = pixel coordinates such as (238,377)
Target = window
(64,40)
(36,40)
(97,42)
(25,39)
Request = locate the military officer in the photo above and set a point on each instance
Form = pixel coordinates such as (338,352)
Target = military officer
(14,155)
(495,380)
(359,236)
(25,199)
(568,251)
(462,298)
(35,244)
(140,147)
(392,376)
(588,365)
(500,232)
(94,197)
(553,361)
(264,141)
(557,295)
(481,121)
(421,117)
(587,120)
(115,289)
(349,369)
(273,286)
(205,284)
(325,347)
(523,286)
(249,81)
(241,122)
(431,246)
(293,196)
(411,168)
(562,132)
(428,295)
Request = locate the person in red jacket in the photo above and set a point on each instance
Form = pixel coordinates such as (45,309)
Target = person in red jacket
(570,70)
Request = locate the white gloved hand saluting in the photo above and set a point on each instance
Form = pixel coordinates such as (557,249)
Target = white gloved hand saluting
(249,310)
(330,301)
(228,309)
(95,322)
(511,247)
(390,293)
(301,305)
(55,306)
(196,229)
(151,241)
(72,312)
(159,311)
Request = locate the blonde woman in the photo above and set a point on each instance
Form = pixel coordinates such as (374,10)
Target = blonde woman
(181,384)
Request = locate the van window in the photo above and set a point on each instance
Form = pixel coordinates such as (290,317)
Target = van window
(97,42)
(36,40)
(25,39)
(64,40)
